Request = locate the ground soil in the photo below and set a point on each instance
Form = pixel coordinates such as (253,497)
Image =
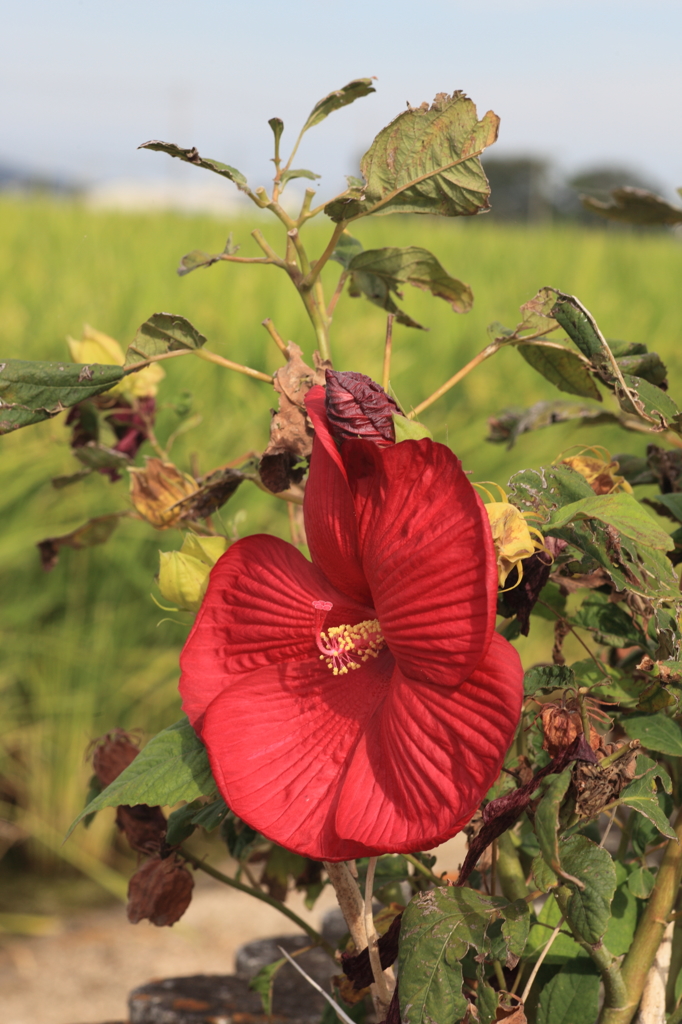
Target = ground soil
(83,971)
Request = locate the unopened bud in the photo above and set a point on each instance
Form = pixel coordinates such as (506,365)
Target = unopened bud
(160,891)
(357,407)
(182,579)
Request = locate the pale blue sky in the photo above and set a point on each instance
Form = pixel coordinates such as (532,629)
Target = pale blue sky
(83,82)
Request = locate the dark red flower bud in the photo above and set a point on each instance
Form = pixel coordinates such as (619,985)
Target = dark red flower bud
(111,754)
(358,407)
(144,827)
(161,890)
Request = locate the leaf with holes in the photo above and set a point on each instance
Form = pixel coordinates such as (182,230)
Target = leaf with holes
(545,678)
(589,905)
(621,511)
(634,206)
(35,391)
(380,272)
(191,156)
(425,161)
(563,368)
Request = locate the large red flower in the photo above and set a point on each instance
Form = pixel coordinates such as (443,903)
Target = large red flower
(360,703)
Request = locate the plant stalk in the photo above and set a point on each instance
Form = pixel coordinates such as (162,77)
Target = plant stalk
(350,901)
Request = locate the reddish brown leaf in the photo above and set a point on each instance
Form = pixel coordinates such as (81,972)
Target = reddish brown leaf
(358,407)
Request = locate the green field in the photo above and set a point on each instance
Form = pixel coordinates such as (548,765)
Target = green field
(82,649)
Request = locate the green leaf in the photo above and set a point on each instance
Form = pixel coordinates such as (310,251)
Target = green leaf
(172,767)
(671,502)
(554,790)
(210,816)
(163,332)
(98,456)
(611,625)
(563,368)
(634,206)
(547,678)
(656,732)
(300,173)
(391,267)
(486,1001)
(409,430)
(239,837)
(264,981)
(509,424)
(547,489)
(425,161)
(641,882)
(621,928)
(191,156)
(515,927)
(642,795)
(195,259)
(437,929)
(581,327)
(621,511)
(340,98)
(647,365)
(35,391)
(646,400)
(181,824)
(589,907)
(571,996)
(347,248)
(277,125)
(564,946)
(545,878)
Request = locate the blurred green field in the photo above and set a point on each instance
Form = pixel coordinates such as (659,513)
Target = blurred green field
(82,649)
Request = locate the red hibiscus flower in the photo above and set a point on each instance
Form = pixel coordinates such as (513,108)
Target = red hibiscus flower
(360,703)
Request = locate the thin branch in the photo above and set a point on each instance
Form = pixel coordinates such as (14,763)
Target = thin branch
(260,240)
(305,208)
(380,979)
(388,347)
(213,357)
(134,367)
(337,293)
(259,895)
(279,342)
(580,640)
(422,868)
(488,351)
(313,274)
(340,1013)
(349,899)
(248,259)
(538,963)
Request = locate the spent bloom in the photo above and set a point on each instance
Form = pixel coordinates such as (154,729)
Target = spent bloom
(359,703)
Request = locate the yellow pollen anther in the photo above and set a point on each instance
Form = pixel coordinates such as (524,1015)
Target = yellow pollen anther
(346,647)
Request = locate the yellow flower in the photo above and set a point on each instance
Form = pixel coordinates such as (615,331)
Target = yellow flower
(512,536)
(96,347)
(599,473)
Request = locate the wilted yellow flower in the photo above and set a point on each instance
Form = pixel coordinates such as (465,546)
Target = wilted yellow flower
(183,575)
(512,536)
(157,489)
(599,473)
(96,347)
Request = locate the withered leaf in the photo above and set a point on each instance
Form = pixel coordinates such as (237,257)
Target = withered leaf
(95,531)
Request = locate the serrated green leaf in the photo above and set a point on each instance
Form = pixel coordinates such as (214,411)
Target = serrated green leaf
(581,328)
(621,927)
(409,430)
(437,928)
(547,678)
(354,90)
(393,267)
(641,882)
(589,907)
(425,161)
(571,996)
(545,878)
(516,926)
(486,1001)
(172,767)
(563,368)
(634,206)
(642,795)
(35,391)
(564,946)
(163,332)
(554,790)
(191,156)
(656,732)
(621,511)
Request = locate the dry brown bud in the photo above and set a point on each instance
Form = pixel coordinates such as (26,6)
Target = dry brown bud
(160,891)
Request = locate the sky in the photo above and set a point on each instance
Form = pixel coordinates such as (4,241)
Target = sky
(84,82)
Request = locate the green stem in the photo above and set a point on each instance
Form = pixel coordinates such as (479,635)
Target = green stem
(314,273)
(270,900)
(422,868)
(509,870)
(615,991)
(649,934)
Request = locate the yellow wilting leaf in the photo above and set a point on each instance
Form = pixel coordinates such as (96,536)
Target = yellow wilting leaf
(157,489)
(97,347)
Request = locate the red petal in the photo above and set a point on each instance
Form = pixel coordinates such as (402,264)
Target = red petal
(427,553)
(279,742)
(425,761)
(257,612)
(330,520)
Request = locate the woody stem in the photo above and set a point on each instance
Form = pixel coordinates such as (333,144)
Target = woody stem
(383,994)
(350,901)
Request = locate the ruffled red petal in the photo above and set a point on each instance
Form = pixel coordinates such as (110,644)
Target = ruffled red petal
(428,756)
(330,519)
(427,553)
(279,741)
(257,612)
